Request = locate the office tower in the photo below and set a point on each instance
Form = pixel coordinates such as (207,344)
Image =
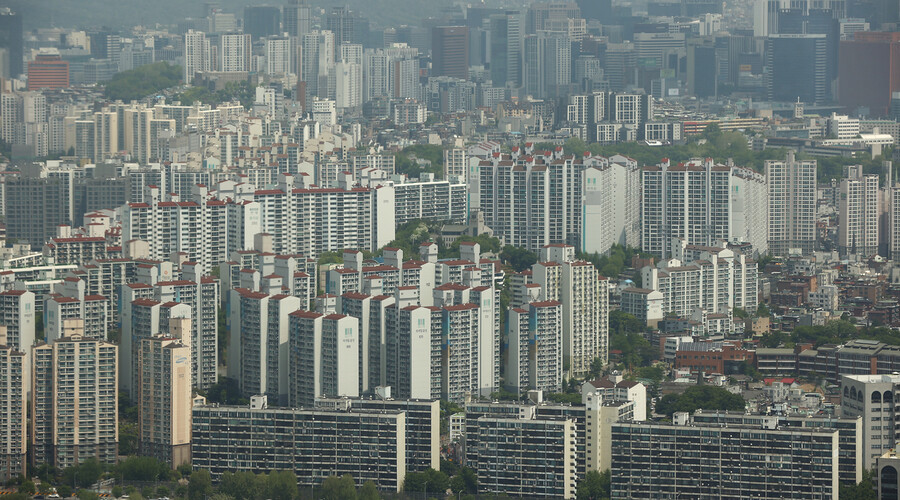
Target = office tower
(792,205)
(324,356)
(202,295)
(144,318)
(702,202)
(872,398)
(13,41)
(506,49)
(13,426)
(541,13)
(280,56)
(612,205)
(600,10)
(548,65)
(869,54)
(47,71)
(164,401)
(234,53)
(797,66)
(450,51)
(262,21)
(658,47)
(313,443)
(196,54)
(296,17)
(534,357)
(317,60)
(701,63)
(639,449)
(68,373)
(858,213)
(35,207)
(347,26)
(258,356)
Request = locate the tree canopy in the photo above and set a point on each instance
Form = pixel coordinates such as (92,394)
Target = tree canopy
(405,160)
(142,81)
(706,397)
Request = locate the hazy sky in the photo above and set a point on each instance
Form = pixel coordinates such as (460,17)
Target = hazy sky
(118,13)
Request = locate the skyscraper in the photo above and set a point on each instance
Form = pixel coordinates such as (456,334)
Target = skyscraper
(798,68)
(506,49)
(792,205)
(234,53)
(262,20)
(11,39)
(450,51)
(317,60)
(296,18)
(872,55)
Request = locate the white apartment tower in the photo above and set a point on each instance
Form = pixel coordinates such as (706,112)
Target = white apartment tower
(859,211)
(324,357)
(792,205)
(612,203)
(196,54)
(702,202)
(12,404)
(234,53)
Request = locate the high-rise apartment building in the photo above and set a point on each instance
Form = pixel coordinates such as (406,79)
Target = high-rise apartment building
(164,400)
(534,356)
(859,213)
(612,201)
(234,52)
(324,356)
(702,202)
(258,353)
(202,295)
(196,54)
(13,424)
(792,205)
(317,61)
(296,17)
(281,56)
(144,318)
(35,207)
(450,51)
(75,407)
(584,295)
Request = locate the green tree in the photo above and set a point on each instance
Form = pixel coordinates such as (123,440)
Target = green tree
(226,391)
(369,491)
(199,485)
(244,485)
(27,487)
(87,495)
(142,81)
(594,486)
(696,397)
(464,482)
(162,491)
(429,481)
(64,490)
(281,485)
(142,469)
(117,491)
(339,488)
(518,258)
(863,490)
(762,311)
(221,496)
(83,474)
